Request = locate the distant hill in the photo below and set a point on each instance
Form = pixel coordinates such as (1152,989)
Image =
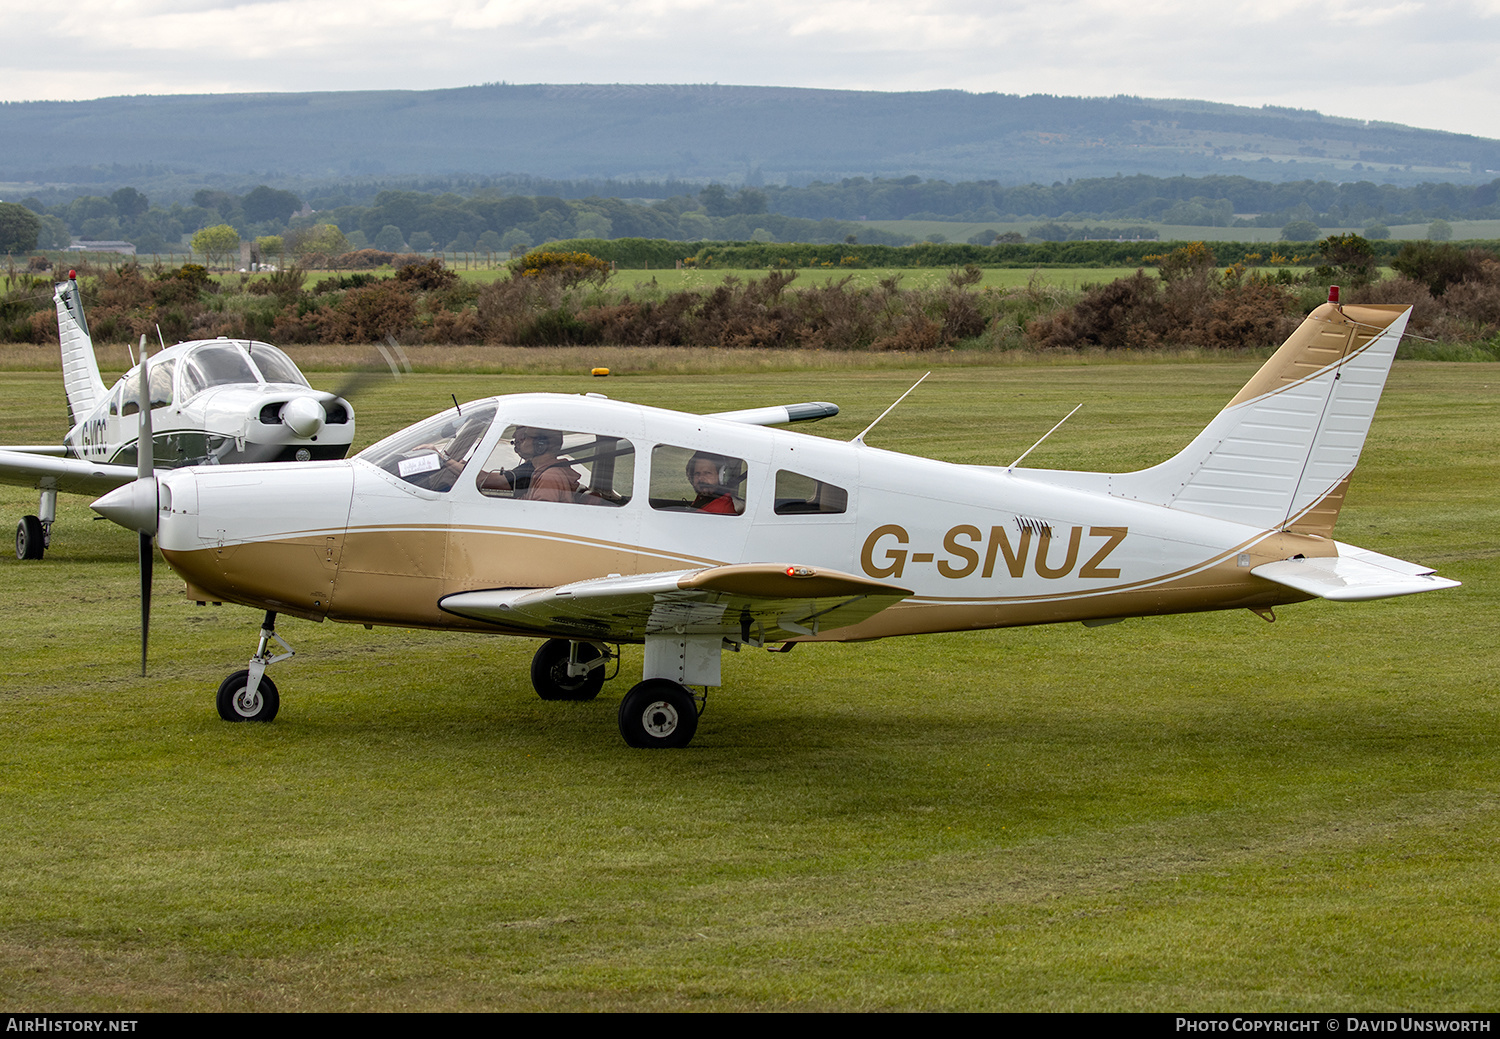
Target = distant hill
(698,133)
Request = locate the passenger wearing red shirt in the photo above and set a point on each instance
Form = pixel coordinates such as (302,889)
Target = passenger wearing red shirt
(703,473)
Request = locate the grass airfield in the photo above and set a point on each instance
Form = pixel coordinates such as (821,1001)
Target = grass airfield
(1198,812)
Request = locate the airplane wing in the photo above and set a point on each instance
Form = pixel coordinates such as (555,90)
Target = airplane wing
(74,475)
(746,602)
(1354,575)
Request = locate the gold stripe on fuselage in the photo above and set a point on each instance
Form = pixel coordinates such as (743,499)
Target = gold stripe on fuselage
(396,575)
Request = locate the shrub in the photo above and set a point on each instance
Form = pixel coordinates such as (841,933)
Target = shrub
(361,259)
(425,275)
(1438,266)
(368,314)
(569,268)
(340,282)
(556,327)
(1138,312)
(1347,256)
(284,283)
(1195,258)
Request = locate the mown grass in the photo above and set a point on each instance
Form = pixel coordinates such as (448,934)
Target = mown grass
(1202,812)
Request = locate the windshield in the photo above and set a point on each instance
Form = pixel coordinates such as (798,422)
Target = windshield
(274,365)
(431,454)
(217,364)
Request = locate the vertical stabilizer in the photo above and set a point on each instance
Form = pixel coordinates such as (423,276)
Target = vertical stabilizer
(81,381)
(1280,455)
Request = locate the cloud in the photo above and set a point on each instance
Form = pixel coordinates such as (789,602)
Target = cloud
(1395,60)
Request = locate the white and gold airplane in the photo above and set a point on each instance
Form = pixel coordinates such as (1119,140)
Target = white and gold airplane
(215,401)
(591,523)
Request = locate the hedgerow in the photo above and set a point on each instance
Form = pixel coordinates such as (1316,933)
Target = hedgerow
(555,298)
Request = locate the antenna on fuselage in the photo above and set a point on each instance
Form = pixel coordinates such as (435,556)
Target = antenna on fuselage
(860,440)
(455,404)
(1045,435)
(159,338)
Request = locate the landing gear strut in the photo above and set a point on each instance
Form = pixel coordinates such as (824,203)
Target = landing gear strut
(249,696)
(566,670)
(661,711)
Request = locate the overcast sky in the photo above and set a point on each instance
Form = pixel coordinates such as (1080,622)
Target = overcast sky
(1425,64)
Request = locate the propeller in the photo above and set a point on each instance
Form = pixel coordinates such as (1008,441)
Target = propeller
(145,457)
(304,417)
(135,504)
(144,462)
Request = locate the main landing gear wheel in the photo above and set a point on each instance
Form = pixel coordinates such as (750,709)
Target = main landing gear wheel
(236,706)
(658,713)
(31,540)
(549,672)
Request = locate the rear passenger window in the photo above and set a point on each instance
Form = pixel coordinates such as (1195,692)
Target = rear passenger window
(798,495)
(685,480)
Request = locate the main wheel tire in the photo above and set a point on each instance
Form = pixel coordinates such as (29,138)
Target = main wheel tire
(658,713)
(549,672)
(31,540)
(235,706)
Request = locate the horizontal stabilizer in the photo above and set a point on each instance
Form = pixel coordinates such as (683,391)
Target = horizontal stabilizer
(780,414)
(748,602)
(1354,575)
(73,475)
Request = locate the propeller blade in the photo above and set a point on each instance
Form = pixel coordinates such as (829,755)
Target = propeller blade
(145,445)
(147,554)
(393,356)
(145,449)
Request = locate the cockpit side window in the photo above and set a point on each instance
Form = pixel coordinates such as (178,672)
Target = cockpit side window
(433,453)
(688,480)
(160,382)
(799,495)
(193,382)
(537,463)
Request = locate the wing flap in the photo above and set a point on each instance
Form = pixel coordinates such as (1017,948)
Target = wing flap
(1354,575)
(73,475)
(748,602)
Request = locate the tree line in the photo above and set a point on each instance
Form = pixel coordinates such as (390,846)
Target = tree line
(490,219)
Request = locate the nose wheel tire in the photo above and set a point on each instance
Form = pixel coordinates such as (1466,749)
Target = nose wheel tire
(31,540)
(549,672)
(658,713)
(235,705)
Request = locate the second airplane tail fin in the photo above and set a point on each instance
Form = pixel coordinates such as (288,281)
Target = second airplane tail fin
(1280,455)
(81,381)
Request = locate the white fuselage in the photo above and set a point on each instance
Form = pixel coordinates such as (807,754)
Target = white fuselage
(978,547)
(212,412)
